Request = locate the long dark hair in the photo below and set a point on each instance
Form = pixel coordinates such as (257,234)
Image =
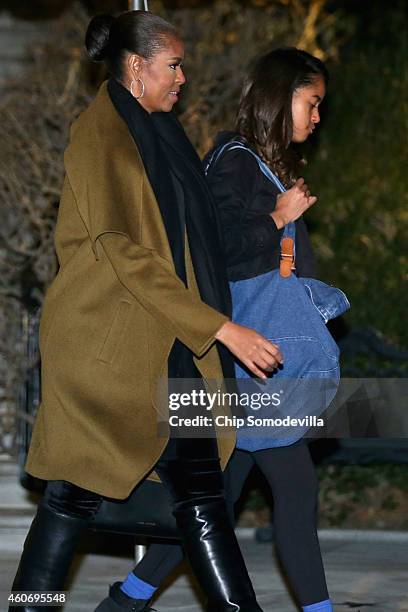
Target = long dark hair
(264,116)
(110,39)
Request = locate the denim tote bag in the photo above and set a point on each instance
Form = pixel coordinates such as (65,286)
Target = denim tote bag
(292,312)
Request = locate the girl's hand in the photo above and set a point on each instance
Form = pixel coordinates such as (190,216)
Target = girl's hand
(292,204)
(252,349)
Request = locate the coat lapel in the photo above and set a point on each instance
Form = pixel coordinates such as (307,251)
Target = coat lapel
(144,134)
(106,176)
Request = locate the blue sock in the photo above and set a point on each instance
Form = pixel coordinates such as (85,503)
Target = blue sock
(321,606)
(136,588)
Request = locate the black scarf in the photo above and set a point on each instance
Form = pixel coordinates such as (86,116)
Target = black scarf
(169,156)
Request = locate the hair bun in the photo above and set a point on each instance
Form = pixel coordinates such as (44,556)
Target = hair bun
(97,36)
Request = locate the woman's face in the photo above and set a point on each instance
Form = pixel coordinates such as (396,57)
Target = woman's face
(162,77)
(305,109)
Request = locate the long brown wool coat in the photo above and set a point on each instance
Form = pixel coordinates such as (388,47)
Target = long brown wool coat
(111,316)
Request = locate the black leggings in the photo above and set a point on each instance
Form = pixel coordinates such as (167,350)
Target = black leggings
(190,470)
(290,473)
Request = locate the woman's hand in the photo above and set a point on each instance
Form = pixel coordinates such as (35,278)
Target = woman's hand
(292,204)
(252,349)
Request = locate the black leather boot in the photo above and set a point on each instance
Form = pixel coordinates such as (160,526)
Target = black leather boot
(215,557)
(48,551)
(118,601)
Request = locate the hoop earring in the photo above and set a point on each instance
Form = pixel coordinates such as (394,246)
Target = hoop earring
(143,88)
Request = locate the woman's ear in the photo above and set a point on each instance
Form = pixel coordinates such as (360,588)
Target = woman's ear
(134,65)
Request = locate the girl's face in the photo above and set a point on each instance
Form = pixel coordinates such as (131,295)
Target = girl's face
(162,77)
(305,109)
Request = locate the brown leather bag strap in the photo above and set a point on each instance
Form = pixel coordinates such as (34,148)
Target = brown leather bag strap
(287,257)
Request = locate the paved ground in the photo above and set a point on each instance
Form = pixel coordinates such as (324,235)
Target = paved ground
(363,573)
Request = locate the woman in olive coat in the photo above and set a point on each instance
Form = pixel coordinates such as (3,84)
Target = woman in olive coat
(141,294)
(279,106)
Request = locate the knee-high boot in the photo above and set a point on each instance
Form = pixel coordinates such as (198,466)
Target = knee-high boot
(48,551)
(215,557)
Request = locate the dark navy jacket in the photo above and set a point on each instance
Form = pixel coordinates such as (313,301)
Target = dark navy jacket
(244,198)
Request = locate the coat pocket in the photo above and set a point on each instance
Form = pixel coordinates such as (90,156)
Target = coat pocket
(115,333)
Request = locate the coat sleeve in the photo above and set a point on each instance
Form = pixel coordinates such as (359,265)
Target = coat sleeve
(113,194)
(150,281)
(234,182)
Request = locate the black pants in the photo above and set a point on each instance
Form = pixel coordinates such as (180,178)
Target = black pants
(290,473)
(190,469)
